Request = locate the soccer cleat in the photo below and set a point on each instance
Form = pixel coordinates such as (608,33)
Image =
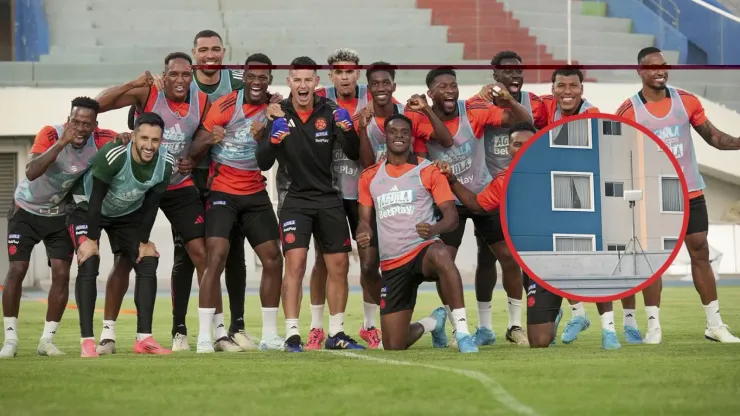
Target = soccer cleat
(48,349)
(149,346)
(466,343)
(106,347)
(294,344)
(439,337)
(88,349)
(243,340)
(9,350)
(573,328)
(316,337)
(272,344)
(342,341)
(484,336)
(632,335)
(205,347)
(517,335)
(372,336)
(180,343)
(226,345)
(557,323)
(721,334)
(653,336)
(609,340)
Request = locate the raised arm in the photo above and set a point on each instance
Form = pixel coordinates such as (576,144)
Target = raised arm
(345,134)
(46,147)
(131,93)
(361,121)
(440,133)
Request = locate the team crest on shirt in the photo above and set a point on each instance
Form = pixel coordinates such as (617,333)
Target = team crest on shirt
(320,124)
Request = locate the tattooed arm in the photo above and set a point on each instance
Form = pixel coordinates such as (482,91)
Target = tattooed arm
(717,138)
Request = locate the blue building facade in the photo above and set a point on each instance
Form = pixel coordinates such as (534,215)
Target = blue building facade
(533,218)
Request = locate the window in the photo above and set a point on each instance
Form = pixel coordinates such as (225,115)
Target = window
(615,189)
(575,134)
(671,195)
(572,191)
(611,128)
(574,242)
(616,247)
(669,243)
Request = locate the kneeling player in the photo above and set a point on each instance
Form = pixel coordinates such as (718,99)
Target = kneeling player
(404,189)
(120,194)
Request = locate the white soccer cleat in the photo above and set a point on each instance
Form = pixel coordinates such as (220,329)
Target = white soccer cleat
(106,349)
(226,345)
(721,334)
(9,350)
(180,343)
(653,336)
(243,340)
(205,347)
(275,343)
(47,348)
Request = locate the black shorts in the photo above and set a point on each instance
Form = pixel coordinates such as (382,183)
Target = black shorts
(200,179)
(698,216)
(184,210)
(328,225)
(352,210)
(543,306)
(123,232)
(399,286)
(488,226)
(25,230)
(497,233)
(252,213)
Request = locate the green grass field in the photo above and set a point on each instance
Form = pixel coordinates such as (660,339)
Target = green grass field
(685,376)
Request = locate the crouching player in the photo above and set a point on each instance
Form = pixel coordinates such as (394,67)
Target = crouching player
(120,194)
(403,190)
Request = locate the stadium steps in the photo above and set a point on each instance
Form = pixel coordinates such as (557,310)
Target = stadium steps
(595,285)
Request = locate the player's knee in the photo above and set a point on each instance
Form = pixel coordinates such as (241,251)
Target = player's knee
(197,250)
(17,271)
(439,254)
(272,262)
(395,345)
(540,339)
(698,248)
(147,267)
(89,268)
(295,271)
(59,272)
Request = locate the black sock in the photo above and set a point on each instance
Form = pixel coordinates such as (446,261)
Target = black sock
(145,293)
(236,281)
(181,285)
(86,294)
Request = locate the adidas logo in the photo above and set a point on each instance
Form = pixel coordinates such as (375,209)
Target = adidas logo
(293,327)
(220,326)
(106,327)
(461,320)
(199,220)
(651,318)
(629,315)
(394,189)
(10,328)
(53,332)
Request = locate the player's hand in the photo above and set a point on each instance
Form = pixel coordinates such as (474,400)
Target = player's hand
(425,230)
(69,134)
(86,249)
(158,82)
(417,102)
(125,137)
(275,97)
(257,129)
(496,90)
(343,119)
(217,134)
(280,130)
(147,250)
(185,165)
(366,116)
(364,235)
(145,80)
(446,170)
(274,111)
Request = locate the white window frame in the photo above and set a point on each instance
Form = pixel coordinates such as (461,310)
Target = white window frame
(660,193)
(615,244)
(663,239)
(590,138)
(556,236)
(611,123)
(590,176)
(614,183)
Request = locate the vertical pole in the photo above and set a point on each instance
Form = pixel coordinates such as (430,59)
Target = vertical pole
(569,21)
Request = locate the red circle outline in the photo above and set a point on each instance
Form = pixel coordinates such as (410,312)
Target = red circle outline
(684,226)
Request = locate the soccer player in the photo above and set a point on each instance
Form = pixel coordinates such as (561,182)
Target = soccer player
(238,196)
(466,121)
(60,155)
(567,100)
(671,113)
(543,307)
(403,190)
(496,140)
(302,135)
(120,194)
(182,107)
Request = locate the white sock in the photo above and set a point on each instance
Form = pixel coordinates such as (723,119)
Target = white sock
(50,329)
(11,328)
(449,316)
(269,323)
(460,321)
(578,309)
(515,312)
(109,330)
(653,316)
(607,321)
(219,326)
(205,323)
(141,337)
(429,323)
(484,315)
(317,316)
(336,324)
(291,327)
(370,310)
(713,317)
(629,318)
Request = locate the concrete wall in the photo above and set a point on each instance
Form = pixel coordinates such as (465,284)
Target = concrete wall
(603,264)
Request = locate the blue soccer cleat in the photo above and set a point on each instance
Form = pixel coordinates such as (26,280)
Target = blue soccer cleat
(573,328)
(294,344)
(557,323)
(632,335)
(484,336)
(439,337)
(342,341)
(609,340)
(466,343)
